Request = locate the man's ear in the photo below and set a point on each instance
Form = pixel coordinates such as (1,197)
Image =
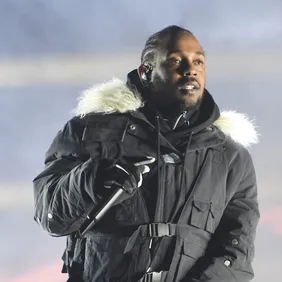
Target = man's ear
(144,72)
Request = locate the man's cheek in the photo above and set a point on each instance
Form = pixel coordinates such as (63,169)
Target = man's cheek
(163,76)
(159,82)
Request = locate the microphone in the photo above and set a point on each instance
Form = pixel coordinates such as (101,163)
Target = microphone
(142,166)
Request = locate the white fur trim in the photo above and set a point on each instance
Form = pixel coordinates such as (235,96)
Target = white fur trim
(112,96)
(115,96)
(238,126)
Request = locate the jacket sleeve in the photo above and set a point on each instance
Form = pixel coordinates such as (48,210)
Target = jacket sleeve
(231,250)
(64,192)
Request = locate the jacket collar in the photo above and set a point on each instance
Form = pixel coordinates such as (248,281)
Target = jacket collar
(114,96)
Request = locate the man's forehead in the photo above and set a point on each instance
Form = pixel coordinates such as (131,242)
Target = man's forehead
(199,52)
(182,42)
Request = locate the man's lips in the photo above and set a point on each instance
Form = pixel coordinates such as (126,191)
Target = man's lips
(190,86)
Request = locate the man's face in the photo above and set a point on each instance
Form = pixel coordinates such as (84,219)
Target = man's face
(179,73)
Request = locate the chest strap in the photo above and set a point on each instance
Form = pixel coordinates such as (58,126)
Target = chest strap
(153,230)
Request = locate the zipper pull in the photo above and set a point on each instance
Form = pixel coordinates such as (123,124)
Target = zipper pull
(150,244)
(184,115)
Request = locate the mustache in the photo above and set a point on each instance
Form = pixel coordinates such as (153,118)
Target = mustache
(184,80)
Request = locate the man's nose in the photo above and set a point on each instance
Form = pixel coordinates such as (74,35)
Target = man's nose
(190,71)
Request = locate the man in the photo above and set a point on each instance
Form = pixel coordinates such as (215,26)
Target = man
(193,216)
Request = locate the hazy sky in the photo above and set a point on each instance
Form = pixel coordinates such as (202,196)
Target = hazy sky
(58,26)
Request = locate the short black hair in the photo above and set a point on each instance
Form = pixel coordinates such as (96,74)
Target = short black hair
(156,42)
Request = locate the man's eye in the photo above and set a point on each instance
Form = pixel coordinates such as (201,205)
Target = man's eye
(199,62)
(174,62)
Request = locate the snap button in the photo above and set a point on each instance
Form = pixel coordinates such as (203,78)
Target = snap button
(227,262)
(209,128)
(50,215)
(132,127)
(235,242)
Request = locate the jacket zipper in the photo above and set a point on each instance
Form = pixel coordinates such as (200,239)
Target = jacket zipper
(147,218)
(159,183)
(159,207)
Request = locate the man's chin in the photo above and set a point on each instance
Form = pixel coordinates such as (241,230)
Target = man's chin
(190,99)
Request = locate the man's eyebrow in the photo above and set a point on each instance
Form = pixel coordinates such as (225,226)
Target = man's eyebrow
(200,52)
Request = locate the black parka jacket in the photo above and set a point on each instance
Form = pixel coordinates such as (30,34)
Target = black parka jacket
(193,219)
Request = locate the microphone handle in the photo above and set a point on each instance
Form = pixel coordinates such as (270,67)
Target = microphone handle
(98,216)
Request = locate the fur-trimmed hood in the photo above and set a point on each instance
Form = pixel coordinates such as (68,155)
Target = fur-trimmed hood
(115,96)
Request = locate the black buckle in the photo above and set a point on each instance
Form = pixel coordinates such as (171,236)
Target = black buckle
(159,229)
(152,277)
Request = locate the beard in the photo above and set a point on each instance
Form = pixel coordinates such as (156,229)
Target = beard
(177,107)
(167,97)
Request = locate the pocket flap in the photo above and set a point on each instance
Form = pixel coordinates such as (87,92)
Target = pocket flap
(105,128)
(215,210)
(102,134)
(200,205)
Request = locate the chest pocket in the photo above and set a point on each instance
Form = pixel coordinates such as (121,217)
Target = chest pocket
(205,215)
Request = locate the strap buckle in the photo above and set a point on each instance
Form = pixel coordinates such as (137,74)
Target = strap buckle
(152,277)
(159,229)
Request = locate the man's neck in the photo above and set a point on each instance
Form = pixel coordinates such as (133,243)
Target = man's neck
(173,114)
(174,110)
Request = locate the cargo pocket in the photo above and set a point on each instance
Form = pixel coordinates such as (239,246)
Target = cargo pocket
(199,214)
(205,215)
(191,252)
(214,216)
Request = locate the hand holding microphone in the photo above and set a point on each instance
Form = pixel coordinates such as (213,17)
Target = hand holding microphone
(126,176)
(121,181)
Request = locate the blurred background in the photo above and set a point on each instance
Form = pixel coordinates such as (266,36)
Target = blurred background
(51,50)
